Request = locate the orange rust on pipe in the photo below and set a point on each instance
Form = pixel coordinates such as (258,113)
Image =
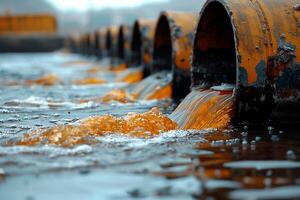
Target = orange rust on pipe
(255,45)
(141,45)
(173,44)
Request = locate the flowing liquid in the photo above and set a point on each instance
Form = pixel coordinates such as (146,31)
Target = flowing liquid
(199,110)
(131,75)
(144,125)
(156,86)
(46,80)
(204,109)
(89,81)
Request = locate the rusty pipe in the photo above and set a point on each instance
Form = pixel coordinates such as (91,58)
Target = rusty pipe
(123,44)
(252,44)
(111,43)
(141,44)
(173,44)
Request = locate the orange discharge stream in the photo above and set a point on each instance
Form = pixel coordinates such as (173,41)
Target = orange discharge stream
(204,109)
(143,125)
(89,81)
(157,86)
(130,76)
(46,80)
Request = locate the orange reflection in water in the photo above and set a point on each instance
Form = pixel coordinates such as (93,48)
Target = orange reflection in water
(143,125)
(89,81)
(46,80)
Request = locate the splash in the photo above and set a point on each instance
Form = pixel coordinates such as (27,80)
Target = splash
(46,80)
(90,81)
(157,86)
(204,109)
(143,125)
(119,95)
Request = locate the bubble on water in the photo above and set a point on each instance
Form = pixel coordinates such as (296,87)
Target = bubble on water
(281,132)
(291,155)
(275,138)
(257,138)
(56,115)
(270,130)
(244,134)
(245,143)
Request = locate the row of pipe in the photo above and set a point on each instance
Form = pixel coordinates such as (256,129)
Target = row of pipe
(251,44)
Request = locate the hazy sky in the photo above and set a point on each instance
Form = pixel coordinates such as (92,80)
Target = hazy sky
(83,5)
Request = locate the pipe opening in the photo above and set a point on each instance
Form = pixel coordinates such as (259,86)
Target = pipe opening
(121,44)
(97,43)
(214,54)
(136,45)
(162,52)
(108,42)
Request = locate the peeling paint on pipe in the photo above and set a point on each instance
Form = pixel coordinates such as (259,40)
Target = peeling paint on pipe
(255,45)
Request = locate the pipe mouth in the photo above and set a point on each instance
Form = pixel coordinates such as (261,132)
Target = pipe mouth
(121,44)
(214,54)
(162,52)
(108,42)
(136,45)
(97,42)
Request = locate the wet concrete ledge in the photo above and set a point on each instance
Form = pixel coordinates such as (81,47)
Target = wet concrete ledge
(30,43)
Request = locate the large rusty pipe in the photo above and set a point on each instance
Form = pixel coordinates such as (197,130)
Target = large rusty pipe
(123,44)
(252,44)
(111,43)
(141,45)
(173,44)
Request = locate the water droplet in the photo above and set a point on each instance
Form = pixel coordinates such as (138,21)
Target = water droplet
(244,134)
(270,129)
(291,155)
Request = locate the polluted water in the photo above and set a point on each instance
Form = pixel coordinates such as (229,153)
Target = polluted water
(57,137)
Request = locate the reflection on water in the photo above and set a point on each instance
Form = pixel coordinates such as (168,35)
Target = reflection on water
(175,164)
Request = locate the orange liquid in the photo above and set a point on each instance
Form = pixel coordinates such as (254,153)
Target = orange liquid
(46,80)
(204,109)
(143,125)
(89,81)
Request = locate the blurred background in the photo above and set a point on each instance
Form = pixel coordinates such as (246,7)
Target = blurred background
(76,16)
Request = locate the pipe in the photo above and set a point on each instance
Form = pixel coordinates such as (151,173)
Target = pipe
(123,44)
(141,45)
(252,44)
(111,43)
(173,42)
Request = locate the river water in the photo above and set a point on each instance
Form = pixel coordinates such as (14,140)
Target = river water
(176,164)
